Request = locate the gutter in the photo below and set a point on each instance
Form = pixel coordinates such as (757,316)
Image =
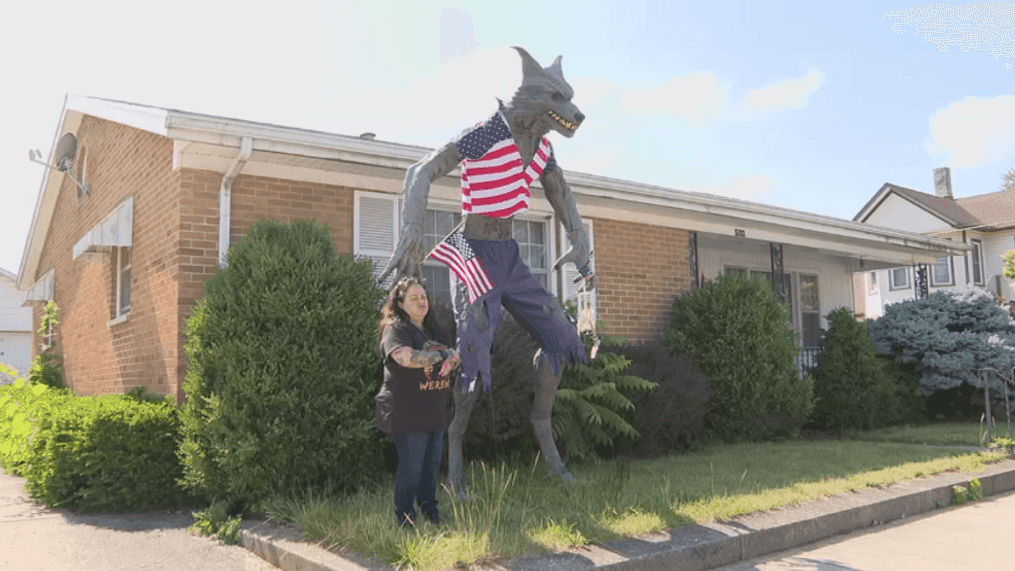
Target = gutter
(225,197)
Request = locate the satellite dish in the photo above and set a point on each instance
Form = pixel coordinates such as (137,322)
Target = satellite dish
(66,150)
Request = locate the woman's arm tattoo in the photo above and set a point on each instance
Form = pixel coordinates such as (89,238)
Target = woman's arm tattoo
(414,359)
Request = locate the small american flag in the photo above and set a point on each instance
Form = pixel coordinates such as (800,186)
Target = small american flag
(456,253)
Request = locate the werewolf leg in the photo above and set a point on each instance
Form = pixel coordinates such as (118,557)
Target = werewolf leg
(456,466)
(546,391)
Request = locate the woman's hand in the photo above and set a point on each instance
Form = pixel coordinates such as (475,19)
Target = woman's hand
(451,363)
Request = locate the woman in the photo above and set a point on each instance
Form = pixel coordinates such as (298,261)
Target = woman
(417,373)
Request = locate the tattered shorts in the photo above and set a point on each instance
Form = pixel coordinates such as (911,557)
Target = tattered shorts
(518,291)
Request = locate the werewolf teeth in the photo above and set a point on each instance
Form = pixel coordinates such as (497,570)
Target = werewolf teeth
(561,120)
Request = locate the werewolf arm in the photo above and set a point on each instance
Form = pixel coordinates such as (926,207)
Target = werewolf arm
(559,194)
(407,260)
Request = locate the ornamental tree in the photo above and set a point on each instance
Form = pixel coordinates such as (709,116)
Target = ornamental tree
(950,335)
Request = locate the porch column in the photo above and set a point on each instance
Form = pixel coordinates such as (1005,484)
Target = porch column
(692,258)
(777,270)
(921,287)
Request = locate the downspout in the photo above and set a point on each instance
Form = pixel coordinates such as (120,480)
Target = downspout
(225,194)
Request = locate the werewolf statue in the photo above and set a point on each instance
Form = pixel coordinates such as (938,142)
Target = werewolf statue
(500,158)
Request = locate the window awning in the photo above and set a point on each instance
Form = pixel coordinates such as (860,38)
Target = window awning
(115,230)
(42,291)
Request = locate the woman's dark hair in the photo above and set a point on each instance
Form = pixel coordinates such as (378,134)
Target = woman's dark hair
(392,313)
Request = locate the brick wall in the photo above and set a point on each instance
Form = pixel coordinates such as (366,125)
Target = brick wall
(640,269)
(98,358)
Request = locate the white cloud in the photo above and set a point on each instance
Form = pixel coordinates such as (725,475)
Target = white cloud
(974,132)
(743,188)
(792,93)
(696,97)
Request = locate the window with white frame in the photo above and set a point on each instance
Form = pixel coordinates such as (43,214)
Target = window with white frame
(568,272)
(898,278)
(378,222)
(977,261)
(123,280)
(941,273)
(872,283)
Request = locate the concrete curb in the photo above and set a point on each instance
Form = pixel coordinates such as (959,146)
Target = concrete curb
(689,548)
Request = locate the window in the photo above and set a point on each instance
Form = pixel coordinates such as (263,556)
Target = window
(437,224)
(123,281)
(898,278)
(941,274)
(378,223)
(977,254)
(810,311)
(872,283)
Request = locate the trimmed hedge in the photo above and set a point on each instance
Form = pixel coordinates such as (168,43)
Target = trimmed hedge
(106,453)
(22,407)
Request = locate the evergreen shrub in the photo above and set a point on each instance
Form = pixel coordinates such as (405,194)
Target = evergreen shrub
(739,334)
(853,388)
(672,417)
(283,367)
(105,453)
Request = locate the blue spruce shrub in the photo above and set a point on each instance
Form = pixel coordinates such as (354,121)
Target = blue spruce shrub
(282,371)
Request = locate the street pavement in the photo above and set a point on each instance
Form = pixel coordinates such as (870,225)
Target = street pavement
(34,538)
(975,535)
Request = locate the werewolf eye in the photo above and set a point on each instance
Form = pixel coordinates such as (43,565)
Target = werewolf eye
(557,96)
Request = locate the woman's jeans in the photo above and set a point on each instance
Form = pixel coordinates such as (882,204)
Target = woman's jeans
(419,467)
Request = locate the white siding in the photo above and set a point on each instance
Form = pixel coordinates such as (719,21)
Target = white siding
(835,283)
(15,327)
(16,351)
(901,214)
(995,246)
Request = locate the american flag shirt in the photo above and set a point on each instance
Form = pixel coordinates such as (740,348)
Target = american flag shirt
(495,182)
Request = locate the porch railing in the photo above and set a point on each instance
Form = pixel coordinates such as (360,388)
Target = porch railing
(807,360)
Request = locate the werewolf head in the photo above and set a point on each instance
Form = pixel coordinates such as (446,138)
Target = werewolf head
(544,98)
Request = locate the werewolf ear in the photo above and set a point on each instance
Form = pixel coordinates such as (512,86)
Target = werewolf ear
(530,67)
(555,68)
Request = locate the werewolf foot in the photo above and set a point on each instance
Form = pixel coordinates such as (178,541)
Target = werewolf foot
(561,471)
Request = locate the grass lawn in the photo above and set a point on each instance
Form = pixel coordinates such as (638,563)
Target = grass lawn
(940,434)
(517,510)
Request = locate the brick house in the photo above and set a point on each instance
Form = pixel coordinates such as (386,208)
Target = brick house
(985,223)
(126,254)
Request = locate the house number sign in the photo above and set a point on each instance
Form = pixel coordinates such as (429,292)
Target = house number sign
(739,233)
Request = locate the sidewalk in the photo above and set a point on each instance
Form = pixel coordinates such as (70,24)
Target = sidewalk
(974,536)
(695,547)
(35,538)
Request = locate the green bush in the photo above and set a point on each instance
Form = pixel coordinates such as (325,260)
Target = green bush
(105,453)
(739,334)
(589,412)
(23,405)
(853,388)
(282,370)
(672,417)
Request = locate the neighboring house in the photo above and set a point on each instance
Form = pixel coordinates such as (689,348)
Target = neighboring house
(986,223)
(15,327)
(126,256)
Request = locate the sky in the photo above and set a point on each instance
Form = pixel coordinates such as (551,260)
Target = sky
(805,105)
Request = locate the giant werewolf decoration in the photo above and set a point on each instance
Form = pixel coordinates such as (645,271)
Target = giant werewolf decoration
(500,158)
